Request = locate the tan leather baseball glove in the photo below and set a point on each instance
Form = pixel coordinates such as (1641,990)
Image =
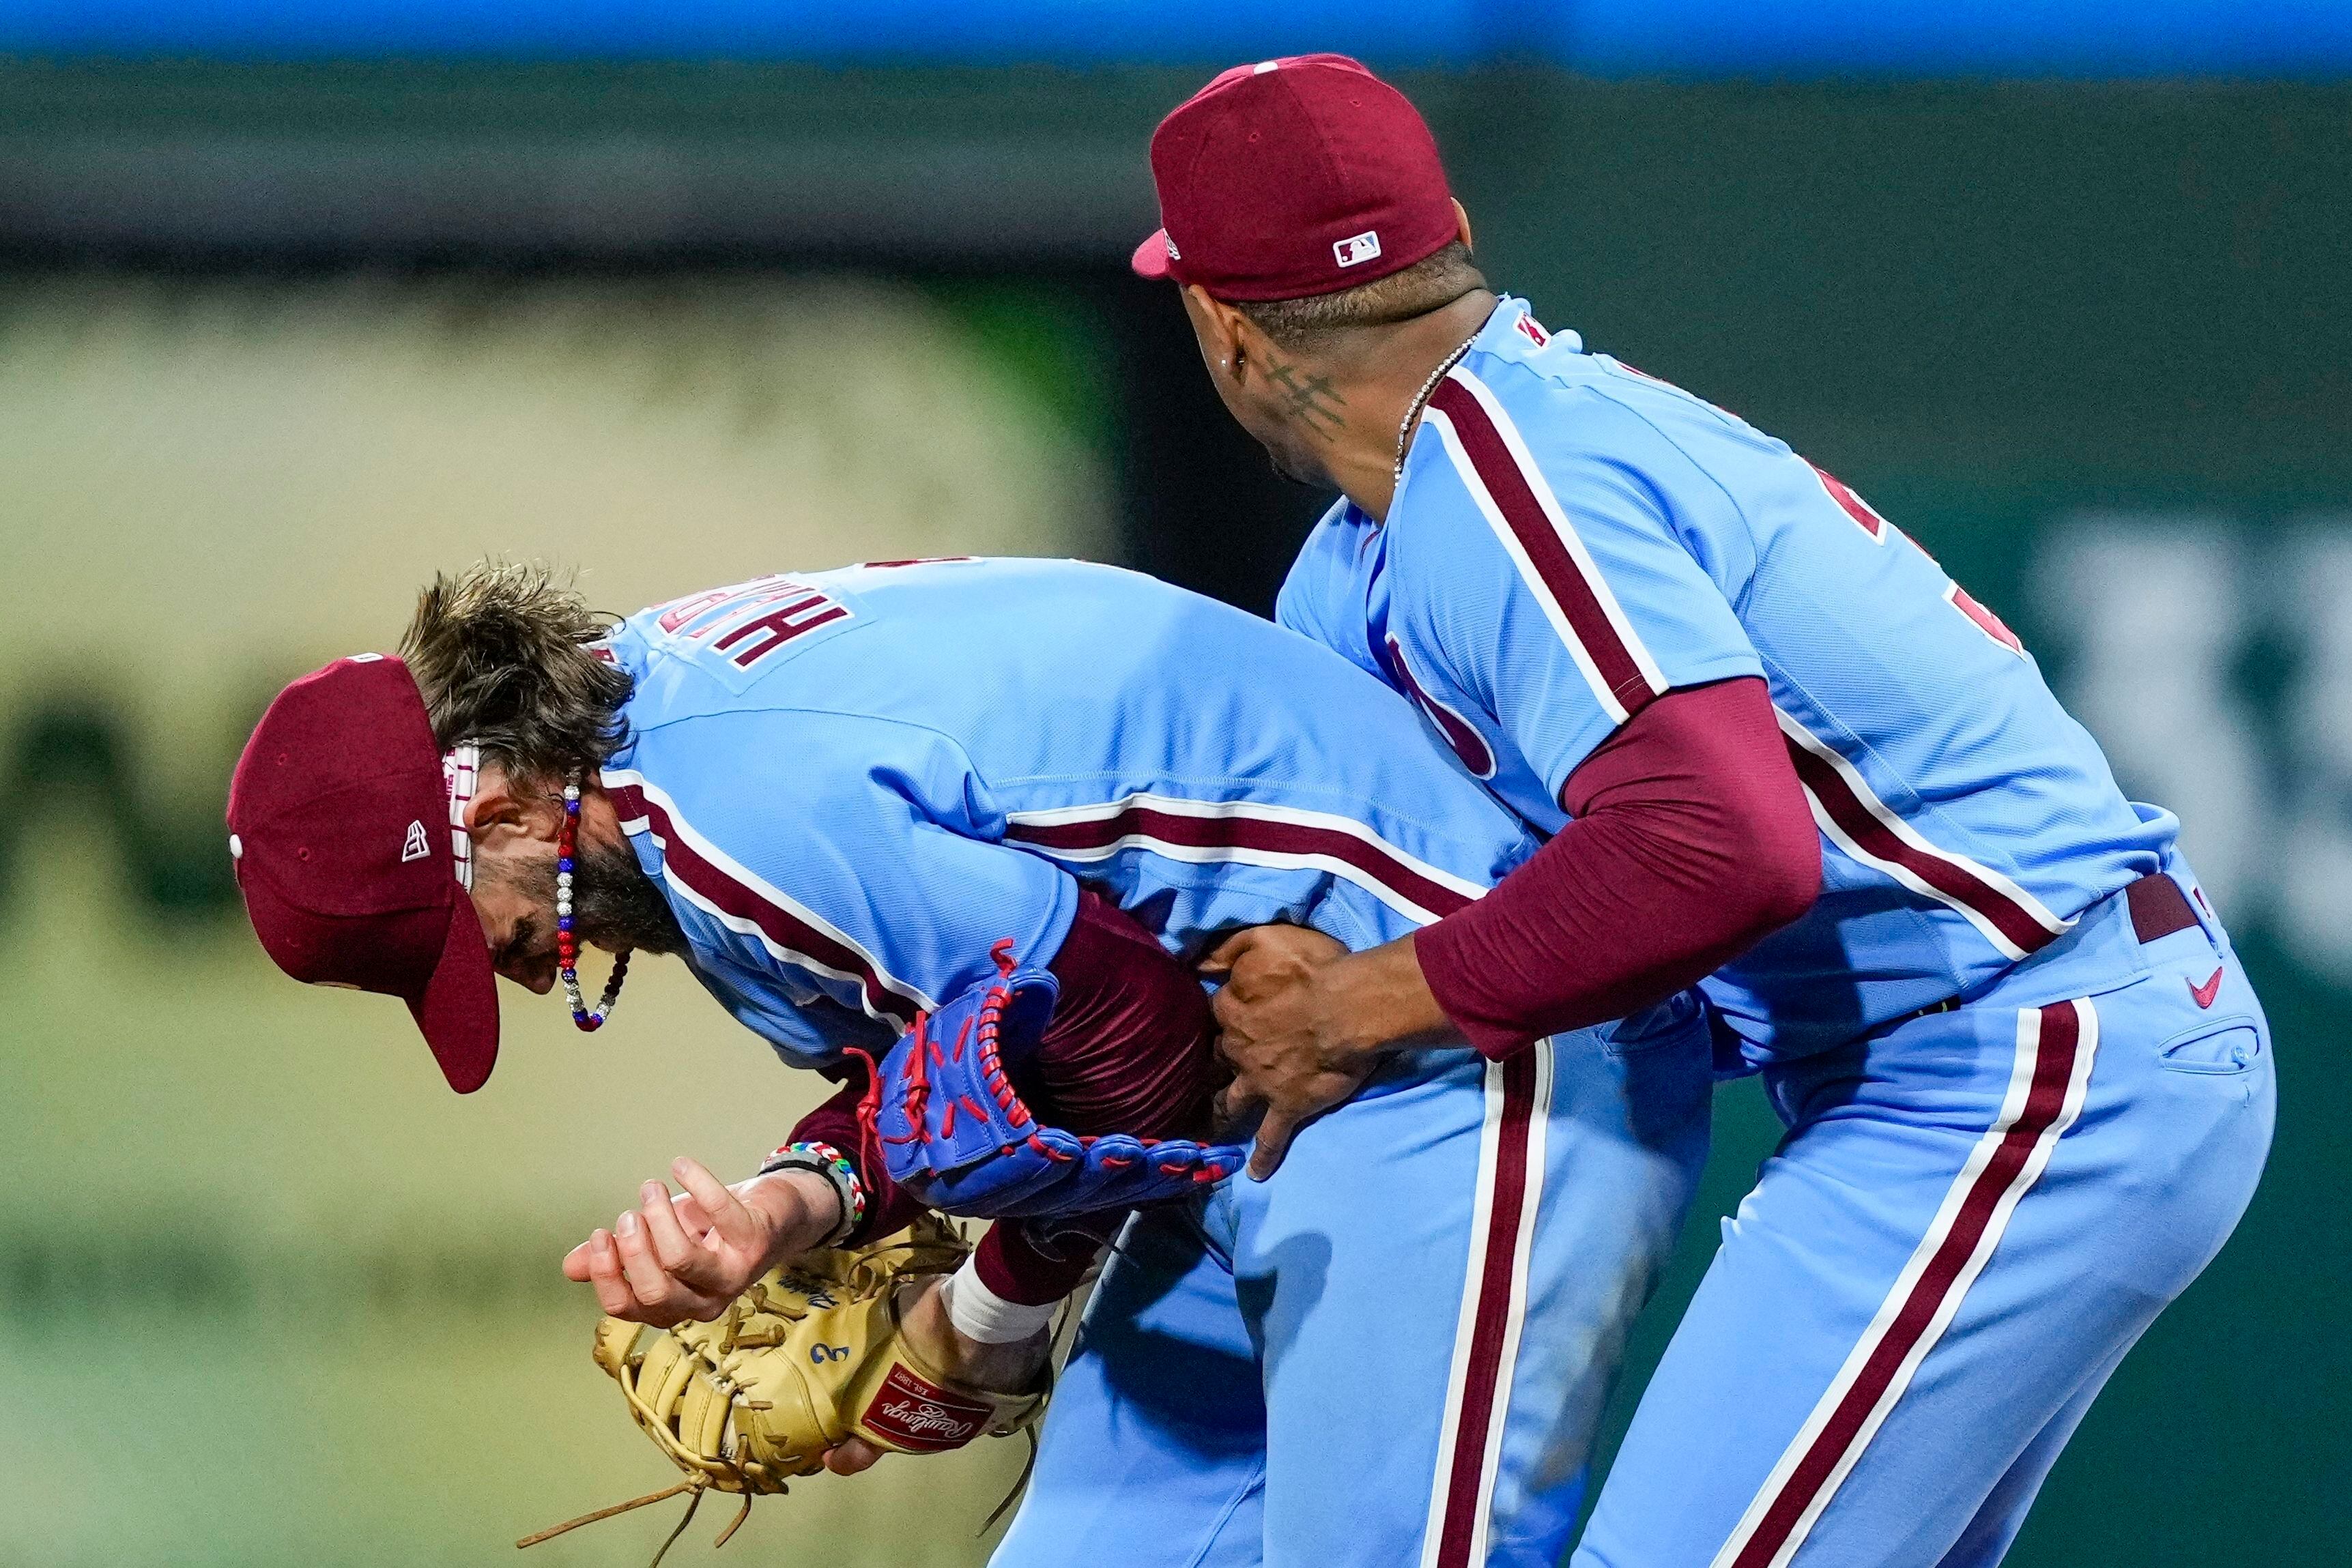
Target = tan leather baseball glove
(811,1355)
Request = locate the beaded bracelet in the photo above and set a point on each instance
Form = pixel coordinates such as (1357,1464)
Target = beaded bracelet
(833,1166)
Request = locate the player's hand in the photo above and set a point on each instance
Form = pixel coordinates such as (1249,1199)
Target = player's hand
(931,1332)
(684,1256)
(1279,1031)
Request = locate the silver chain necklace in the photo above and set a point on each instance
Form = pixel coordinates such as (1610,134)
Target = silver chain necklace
(1421,398)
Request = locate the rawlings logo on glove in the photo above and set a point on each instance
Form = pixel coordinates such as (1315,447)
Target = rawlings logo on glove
(956,1136)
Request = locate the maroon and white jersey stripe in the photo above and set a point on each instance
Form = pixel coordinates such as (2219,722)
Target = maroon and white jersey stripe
(1206,832)
(1852,817)
(1518,502)
(2048,1081)
(1493,1309)
(706,877)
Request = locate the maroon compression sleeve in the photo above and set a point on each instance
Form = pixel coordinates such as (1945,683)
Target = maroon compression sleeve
(1691,842)
(1131,1043)
(835,1123)
(1129,1051)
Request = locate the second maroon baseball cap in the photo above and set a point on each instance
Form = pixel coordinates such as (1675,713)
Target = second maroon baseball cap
(1291,177)
(340,824)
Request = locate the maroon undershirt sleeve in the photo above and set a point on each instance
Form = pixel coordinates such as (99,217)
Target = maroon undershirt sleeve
(1129,1051)
(1691,841)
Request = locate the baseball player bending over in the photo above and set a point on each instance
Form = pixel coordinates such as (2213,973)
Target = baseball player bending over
(848,799)
(2028,1088)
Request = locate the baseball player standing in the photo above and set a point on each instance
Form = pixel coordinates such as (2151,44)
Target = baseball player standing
(836,796)
(2028,1088)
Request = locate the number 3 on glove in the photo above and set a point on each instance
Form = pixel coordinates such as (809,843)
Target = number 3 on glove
(956,1136)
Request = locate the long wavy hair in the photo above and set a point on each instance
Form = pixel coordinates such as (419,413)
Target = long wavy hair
(506,654)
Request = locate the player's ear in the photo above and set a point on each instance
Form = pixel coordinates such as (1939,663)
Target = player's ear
(1220,328)
(524,810)
(1462,222)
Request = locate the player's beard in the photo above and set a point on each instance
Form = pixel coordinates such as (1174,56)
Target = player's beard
(615,903)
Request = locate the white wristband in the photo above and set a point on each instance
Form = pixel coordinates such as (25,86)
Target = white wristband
(980,1314)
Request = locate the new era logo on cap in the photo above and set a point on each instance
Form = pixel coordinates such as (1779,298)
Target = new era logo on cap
(415,846)
(1357,249)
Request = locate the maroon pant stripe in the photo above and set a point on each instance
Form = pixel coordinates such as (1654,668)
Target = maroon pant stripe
(1499,471)
(1238,832)
(1845,808)
(2045,1100)
(1483,1379)
(731,897)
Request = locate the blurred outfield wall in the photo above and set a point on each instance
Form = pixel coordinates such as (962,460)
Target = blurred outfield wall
(276,342)
(269,1292)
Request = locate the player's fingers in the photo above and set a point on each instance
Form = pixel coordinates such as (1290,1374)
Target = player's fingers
(655,1295)
(852,1455)
(1226,954)
(701,1276)
(649,1282)
(671,1244)
(693,1216)
(1273,1135)
(735,1223)
(1236,1112)
(612,1292)
(575,1262)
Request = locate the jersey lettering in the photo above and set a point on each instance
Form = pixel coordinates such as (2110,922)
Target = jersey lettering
(1991,625)
(781,625)
(798,608)
(1865,515)
(1467,743)
(679,612)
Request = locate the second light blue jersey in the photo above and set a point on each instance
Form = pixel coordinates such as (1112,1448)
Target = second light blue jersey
(1573,539)
(852,784)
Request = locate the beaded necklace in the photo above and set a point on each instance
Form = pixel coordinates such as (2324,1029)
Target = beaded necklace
(567,946)
(1421,400)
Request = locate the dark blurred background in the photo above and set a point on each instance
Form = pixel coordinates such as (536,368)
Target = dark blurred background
(298,303)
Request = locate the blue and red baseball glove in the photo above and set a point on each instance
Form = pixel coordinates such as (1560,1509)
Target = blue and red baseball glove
(956,1136)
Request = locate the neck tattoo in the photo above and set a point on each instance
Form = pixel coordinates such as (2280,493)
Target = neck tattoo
(1421,398)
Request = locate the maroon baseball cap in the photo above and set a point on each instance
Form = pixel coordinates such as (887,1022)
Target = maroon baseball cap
(1293,177)
(338,822)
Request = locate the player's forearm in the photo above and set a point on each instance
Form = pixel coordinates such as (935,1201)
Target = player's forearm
(1691,842)
(1379,1000)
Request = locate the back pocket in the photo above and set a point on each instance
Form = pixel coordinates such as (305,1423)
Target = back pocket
(2225,1045)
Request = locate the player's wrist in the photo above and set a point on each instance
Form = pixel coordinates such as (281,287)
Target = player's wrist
(802,1210)
(1006,1366)
(1377,1003)
(829,1164)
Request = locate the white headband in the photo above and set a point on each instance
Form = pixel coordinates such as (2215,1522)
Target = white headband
(461,766)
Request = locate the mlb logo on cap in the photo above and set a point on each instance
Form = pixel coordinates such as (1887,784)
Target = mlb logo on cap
(1357,249)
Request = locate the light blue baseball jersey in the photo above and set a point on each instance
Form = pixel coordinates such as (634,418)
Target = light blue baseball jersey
(852,784)
(1573,539)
